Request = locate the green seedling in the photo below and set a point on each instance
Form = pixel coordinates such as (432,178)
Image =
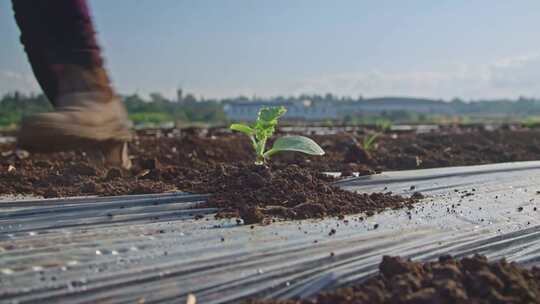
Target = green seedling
(264,128)
(383,124)
(531,123)
(369,140)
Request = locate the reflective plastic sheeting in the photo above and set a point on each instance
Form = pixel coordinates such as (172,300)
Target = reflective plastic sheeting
(151,248)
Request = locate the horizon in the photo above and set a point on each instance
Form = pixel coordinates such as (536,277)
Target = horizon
(470,51)
(277,98)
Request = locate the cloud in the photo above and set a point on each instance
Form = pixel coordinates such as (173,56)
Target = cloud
(505,78)
(13,81)
(520,73)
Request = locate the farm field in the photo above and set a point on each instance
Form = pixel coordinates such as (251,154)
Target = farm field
(417,192)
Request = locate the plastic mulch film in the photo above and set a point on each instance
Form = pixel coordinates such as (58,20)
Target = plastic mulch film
(151,248)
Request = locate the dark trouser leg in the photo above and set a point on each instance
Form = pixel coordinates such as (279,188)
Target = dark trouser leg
(59,39)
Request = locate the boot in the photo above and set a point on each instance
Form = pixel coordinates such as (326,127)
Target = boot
(60,41)
(88,121)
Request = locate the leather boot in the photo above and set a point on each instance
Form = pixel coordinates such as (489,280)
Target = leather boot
(87,120)
(60,41)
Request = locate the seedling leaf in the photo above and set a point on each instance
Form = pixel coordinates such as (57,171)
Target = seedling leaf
(295,143)
(368,141)
(266,122)
(243,128)
(270,114)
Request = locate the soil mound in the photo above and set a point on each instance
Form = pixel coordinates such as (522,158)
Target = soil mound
(469,280)
(257,194)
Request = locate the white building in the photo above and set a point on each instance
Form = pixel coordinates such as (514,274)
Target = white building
(379,105)
(320,111)
(301,110)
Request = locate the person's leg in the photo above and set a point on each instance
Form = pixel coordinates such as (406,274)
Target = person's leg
(60,41)
(59,37)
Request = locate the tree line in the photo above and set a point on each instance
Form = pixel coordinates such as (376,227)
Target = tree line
(156,108)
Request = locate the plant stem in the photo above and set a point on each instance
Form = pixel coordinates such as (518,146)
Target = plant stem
(259,151)
(260,160)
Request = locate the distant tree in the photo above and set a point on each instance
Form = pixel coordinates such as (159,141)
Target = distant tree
(190,98)
(328,97)
(157,97)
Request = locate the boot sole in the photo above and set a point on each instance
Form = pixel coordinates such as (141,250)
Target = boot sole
(42,136)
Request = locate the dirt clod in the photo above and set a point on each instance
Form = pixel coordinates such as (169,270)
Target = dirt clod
(113,173)
(448,280)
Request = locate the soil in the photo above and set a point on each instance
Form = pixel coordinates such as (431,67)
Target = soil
(469,280)
(218,161)
(258,194)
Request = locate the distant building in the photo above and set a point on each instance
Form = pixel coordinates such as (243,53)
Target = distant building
(297,110)
(393,104)
(318,111)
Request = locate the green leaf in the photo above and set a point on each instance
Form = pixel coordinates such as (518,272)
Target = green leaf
(269,114)
(267,119)
(295,143)
(242,128)
(366,144)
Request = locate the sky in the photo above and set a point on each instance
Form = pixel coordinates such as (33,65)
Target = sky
(422,48)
